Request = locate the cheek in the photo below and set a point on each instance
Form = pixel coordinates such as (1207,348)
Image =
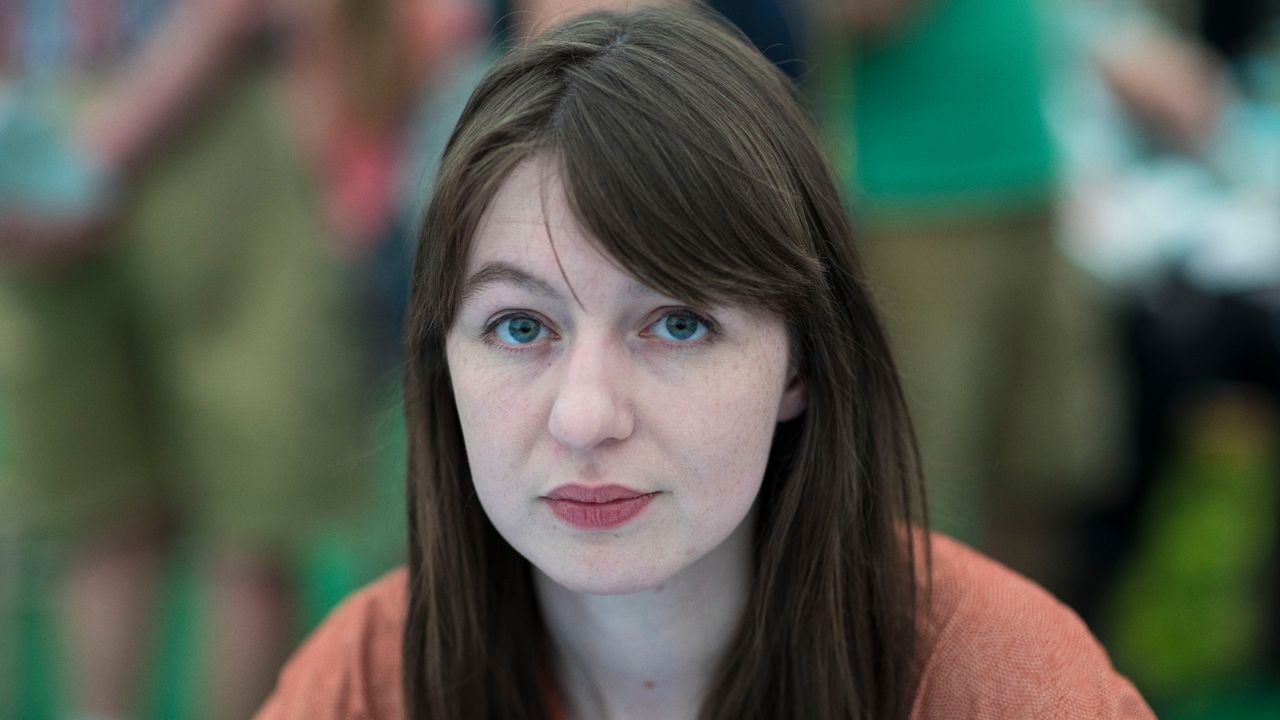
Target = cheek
(724,424)
(500,417)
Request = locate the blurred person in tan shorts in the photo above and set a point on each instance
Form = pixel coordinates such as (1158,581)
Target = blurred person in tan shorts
(177,340)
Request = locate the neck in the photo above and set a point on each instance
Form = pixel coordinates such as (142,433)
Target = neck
(651,653)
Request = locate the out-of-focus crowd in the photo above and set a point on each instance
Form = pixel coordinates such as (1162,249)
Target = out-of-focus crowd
(1070,210)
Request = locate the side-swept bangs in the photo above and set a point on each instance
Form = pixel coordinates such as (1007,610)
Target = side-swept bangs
(676,149)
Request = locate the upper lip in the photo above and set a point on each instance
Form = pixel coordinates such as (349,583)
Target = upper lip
(598,494)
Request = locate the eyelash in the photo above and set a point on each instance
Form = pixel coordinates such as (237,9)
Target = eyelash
(713,330)
(491,328)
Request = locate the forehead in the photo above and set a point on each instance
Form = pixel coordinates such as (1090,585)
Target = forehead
(529,224)
(528,203)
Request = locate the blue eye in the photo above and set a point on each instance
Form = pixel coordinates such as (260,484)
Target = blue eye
(680,326)
(519,330)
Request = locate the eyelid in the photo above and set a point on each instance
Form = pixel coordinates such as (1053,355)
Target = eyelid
(713,328)
(491,324)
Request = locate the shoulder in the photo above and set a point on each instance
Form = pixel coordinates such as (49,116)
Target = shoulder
(349,668)
(996,645)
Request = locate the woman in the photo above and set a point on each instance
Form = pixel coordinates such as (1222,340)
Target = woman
(660,464)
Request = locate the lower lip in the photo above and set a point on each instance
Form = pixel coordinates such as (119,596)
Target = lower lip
(599,516)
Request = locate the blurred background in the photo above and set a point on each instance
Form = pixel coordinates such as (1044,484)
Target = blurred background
(1070,210)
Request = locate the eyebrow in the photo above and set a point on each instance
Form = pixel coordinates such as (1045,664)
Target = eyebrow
(499,272)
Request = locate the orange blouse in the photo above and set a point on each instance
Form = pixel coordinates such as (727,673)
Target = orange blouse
(995,646)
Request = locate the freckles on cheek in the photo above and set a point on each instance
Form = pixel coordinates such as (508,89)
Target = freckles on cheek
(504,397)
(745,395)
(502,419)
(739,408)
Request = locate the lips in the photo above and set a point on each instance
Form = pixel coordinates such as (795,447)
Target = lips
(599,494)
(597,508)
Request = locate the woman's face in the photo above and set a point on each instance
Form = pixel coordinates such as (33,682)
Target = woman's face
(616,441)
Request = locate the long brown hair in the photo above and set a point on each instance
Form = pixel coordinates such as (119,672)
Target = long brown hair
(688,158)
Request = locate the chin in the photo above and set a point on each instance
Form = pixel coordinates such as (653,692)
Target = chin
(599,586)
(610,579)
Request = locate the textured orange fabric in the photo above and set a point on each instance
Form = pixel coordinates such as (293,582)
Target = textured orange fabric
(995,647)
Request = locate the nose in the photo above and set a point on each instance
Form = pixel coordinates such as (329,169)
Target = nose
(593,404)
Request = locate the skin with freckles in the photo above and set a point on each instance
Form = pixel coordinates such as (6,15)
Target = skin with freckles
(621,385)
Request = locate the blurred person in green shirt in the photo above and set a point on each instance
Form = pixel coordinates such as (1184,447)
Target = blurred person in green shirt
(951,167)
(938,112)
